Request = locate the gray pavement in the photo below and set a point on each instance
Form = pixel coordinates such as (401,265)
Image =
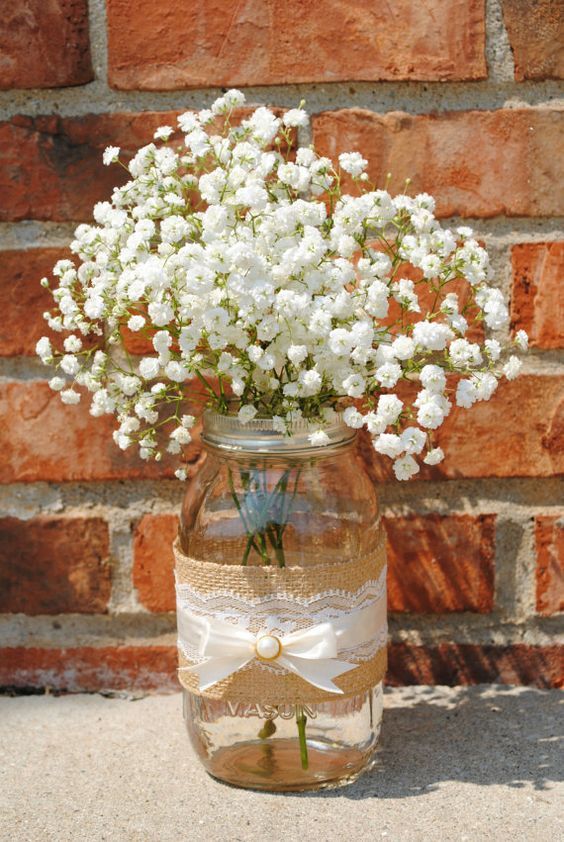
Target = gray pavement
(462,764)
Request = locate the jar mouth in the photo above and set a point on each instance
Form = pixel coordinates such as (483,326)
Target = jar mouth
(227,432)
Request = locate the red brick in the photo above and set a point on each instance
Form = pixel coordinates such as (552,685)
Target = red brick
(475,163)
(536,33)
(54,565)
(154,667)
(22,299)
(44,44)
(170,46)
(519,432)
(549,538)
(42,439)
(89,669)
(136,342)
(153,561)
(467,663)
(51,167)
(440,563)
(537,303)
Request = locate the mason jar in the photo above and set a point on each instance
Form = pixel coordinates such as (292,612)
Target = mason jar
(266,498)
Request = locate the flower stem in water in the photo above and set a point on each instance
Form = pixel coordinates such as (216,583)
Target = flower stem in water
(301,720)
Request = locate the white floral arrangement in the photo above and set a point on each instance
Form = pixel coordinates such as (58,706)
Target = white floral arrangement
(249,269)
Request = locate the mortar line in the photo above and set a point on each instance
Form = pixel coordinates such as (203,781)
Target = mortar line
(498,231)
(381,97)
(141,628)
(499,55)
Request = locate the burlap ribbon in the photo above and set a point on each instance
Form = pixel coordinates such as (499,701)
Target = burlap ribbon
(253,682)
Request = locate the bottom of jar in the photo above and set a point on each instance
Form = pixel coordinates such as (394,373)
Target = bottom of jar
(272,766)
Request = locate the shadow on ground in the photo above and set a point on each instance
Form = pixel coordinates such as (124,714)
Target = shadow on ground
(487,736)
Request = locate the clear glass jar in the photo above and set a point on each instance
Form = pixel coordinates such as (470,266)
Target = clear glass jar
(307,505)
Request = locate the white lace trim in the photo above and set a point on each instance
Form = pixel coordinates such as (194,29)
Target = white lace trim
(282,613)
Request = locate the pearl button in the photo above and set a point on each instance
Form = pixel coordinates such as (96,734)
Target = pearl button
(268,647)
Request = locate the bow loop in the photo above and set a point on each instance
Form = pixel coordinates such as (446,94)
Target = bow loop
(309,653)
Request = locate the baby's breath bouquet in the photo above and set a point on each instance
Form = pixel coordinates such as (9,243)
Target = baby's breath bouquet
(250,271)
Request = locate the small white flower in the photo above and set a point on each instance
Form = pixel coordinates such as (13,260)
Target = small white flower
(70,396)
(181,435)
(297,353)
(388,444)
(353,163)
(43,349)
(72,344)
(405,468)
(111,154)
(163,133)
(413,440)
(389,408)
(433,378)
(135,323)
(375,424)
(521,340)
(70,364)
(432,335)
(278,424)
(318,438)
(403,347)
(353,418)
(181,474)
(57,383)
(493,349)
(247,413)
(466,394)
(354,385)
(434,456)
(512,368)
(388,375)
(176,372)
(295,117)
(149,367)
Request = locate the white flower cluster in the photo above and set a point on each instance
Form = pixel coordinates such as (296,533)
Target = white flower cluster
(247,268)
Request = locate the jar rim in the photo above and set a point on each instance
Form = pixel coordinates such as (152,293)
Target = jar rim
(227,432)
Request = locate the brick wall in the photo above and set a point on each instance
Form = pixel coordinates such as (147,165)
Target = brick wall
(459,95)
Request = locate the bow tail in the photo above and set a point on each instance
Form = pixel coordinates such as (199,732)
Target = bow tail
(319,672)
(214,669)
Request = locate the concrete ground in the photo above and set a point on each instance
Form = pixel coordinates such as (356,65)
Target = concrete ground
(477,763)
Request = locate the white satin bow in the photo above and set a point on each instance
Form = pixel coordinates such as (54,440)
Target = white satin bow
(309,653)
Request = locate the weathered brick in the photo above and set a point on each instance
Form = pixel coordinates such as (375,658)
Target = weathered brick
(537,303)
(136,342)
(536,33)
(549,539)
(89,668)
(440,563)
(54,565)
(22,299)
(259,42)
(44,45)
(519,432)
(42,439)
(153,561)
(51,167)
(475,163)
(466,663)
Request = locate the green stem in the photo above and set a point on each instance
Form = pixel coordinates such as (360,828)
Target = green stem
(301,720)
